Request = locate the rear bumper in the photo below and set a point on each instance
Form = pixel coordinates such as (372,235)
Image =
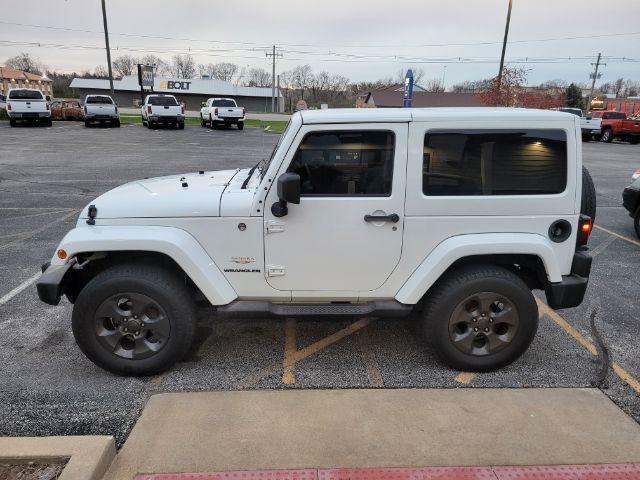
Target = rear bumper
(570,291)
(50,285)
(167,118)
(228,120)
(28,115)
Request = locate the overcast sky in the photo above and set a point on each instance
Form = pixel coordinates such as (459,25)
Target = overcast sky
(357,38)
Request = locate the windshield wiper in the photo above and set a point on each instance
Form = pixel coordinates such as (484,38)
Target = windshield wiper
(253,169)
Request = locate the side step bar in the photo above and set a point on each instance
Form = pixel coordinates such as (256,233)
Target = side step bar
(251,308)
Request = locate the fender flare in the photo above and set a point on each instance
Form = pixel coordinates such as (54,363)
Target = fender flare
(460,246)
(176,243)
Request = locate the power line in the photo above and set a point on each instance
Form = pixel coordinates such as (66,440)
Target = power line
(263,45)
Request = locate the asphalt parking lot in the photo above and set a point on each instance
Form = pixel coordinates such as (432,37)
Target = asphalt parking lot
(47,387)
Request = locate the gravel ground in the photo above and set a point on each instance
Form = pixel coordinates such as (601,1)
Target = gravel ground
(47,387)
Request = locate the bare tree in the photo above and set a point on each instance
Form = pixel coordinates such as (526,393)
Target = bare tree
(617,86)
(631,88)
(300,79)
(161,67)
(124,65)
(100,72)
(471,86)
(434,85)
(418,75)
(183,66)
(224,71)
(257,77)
(25,62)
(606,87)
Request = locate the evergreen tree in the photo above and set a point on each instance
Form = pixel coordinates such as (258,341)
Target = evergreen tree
(574,96)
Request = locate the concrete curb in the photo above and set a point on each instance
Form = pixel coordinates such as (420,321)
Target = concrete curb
(89,457)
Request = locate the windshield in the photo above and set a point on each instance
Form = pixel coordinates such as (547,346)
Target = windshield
(223,103)
(275,149)
(163,101)
(100,99)
(25,95)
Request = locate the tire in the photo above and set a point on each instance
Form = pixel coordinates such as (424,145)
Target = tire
(240,125)
(48,122)
(456,294)
(202,122)
(634,141)
(212,125)
(586,137)
(117,123)
(12,122)
(181,125)
(588,201)
(147,287)
(607,136)
(636,222)
(87,123)
(144,122)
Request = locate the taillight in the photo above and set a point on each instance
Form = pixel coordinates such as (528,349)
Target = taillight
(243,110)
(182,107)
(48,108)
(148,108)
(215,112)
(585,225)
(85,110)
(8,106)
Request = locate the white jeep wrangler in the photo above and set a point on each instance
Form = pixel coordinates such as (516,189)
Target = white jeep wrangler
(456,214)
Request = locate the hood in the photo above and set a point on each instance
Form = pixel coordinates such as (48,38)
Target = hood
(189,195)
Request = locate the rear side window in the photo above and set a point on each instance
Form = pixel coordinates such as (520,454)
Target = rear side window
(25,95)
(223,103)
(494,162)
(163,101)
(345,163)
(99,100)
(614,116)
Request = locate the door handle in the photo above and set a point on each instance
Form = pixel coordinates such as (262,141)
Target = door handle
(394,218)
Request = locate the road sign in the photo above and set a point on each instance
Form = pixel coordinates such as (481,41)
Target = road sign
(145,75)
(407,96)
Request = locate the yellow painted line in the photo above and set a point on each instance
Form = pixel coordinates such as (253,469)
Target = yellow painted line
(603,246)
(465,377)
(303,353)
(288,376)
(374,375)
(623,237)
(586,343)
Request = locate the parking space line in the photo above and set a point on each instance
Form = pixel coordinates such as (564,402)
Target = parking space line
(374,375)
(39,229)
(603,246)
(28,282)
(288,375)
(465,377)
(254,378)
(623,237)
(586,343)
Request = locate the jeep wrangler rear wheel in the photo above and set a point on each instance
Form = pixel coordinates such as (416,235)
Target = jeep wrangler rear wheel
(134,320)
(480,318)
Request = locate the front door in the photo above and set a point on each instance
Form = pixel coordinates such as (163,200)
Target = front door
(346,233)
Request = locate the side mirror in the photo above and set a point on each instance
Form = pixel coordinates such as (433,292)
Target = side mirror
(288,192)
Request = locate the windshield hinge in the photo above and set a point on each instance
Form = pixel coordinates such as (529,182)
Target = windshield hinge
(272,226)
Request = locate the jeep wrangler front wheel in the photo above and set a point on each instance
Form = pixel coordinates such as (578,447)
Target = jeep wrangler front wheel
(480,318)
(134,319)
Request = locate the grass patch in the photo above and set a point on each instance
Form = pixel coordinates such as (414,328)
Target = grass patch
(277,126)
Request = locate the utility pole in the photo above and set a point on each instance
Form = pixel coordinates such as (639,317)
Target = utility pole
(593,81)
(504,45)
(273,56)
(106,41)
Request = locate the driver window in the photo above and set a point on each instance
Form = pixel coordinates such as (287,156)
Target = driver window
(345,163)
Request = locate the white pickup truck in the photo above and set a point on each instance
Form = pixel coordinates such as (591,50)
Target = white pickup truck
(28,105)
(162,109)
(588,125)
(221,111)
(101,109)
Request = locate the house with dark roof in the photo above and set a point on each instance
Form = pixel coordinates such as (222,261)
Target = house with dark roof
(12,78)
(392,97)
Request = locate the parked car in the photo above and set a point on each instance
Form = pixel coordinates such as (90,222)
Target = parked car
(457,214)
(221,112)
(631,201)
(27,105)
(66,109)
(100,109)
(162,109)
(616,125)
(588,124)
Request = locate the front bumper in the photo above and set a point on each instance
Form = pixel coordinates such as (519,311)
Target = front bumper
(570,291)
(50,285)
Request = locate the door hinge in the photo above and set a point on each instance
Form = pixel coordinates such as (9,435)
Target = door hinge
(272,226)
(275,270)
